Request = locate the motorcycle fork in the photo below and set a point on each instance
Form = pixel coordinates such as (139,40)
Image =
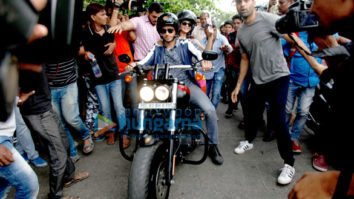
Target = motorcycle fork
(171,131)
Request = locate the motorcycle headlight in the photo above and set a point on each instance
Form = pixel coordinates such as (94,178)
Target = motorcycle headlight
(146,93)
(162,93)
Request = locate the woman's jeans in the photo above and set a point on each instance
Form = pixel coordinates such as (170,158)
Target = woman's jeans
(114,90)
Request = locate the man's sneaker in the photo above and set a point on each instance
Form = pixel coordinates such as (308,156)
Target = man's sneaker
(319,162)
(215,155)
(296,146)
(286,175)
(228,113)
(39,162)
(243,146)
(24,155)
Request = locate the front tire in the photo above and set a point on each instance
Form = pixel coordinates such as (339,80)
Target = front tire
(147,178)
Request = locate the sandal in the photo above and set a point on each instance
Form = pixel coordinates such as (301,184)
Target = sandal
(77,178)
(126,142)
(110,138)
(88,148)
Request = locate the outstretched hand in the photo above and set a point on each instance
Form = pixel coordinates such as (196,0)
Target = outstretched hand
(116,29)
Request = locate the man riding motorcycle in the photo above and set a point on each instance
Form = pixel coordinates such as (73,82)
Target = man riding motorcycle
(179,52)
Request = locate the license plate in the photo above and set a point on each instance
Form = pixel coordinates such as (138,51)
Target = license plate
(157,106)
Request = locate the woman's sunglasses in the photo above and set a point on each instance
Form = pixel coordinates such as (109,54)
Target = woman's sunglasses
(187,24)
(169,30)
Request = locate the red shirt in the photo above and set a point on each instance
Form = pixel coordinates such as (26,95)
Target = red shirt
(122,47)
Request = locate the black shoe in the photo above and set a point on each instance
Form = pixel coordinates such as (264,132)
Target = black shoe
(242,125)
(228,113)
(269,136)
(215,155)
(224,100)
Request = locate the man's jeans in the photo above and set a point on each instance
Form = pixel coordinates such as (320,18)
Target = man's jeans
(275,93)
(65,104)
(214,85)
(48,127)
(199,99)
(18,174)
(24,137)
(113,89)
(305,99)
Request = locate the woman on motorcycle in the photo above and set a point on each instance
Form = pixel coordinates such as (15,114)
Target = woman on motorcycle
(188,20)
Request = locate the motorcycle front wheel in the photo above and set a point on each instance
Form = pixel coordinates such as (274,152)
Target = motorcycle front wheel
(148,173)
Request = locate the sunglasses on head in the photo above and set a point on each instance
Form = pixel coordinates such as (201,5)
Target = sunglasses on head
(169,30)
(186,24)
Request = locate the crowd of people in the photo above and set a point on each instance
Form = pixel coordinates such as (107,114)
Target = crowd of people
(256,65)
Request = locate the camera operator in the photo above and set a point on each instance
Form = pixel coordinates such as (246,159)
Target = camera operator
(334,15)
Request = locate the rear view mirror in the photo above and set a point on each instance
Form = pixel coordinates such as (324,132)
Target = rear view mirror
(124,58)
(209,55)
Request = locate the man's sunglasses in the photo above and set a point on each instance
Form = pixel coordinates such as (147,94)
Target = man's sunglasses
(187,24)
(169,30)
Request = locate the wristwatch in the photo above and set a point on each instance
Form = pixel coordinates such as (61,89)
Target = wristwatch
(115,4)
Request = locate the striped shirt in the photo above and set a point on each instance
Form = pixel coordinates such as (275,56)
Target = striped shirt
(146,36)
(62,73)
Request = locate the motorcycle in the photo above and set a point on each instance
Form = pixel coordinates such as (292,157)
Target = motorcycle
(167,129)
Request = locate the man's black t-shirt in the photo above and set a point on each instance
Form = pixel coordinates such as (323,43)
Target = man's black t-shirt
(40,102)
(95,43)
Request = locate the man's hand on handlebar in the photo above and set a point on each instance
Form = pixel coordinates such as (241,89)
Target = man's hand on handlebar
(130,67)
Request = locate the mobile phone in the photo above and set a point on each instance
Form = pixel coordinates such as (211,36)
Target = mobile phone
(210,25)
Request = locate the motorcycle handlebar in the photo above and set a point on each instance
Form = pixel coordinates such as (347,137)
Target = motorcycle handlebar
(161,66)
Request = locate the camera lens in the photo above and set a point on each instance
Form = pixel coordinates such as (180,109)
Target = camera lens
(308,4)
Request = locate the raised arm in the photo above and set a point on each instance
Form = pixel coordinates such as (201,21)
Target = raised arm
(301,47)
(124,26)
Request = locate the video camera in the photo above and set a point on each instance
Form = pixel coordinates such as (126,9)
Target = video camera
(131,5)
(298,18)
(18,19)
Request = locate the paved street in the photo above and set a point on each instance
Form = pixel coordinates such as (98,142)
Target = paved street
(252,175)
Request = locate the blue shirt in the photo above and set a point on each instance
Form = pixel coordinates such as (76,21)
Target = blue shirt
(301,72)
(219,63)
